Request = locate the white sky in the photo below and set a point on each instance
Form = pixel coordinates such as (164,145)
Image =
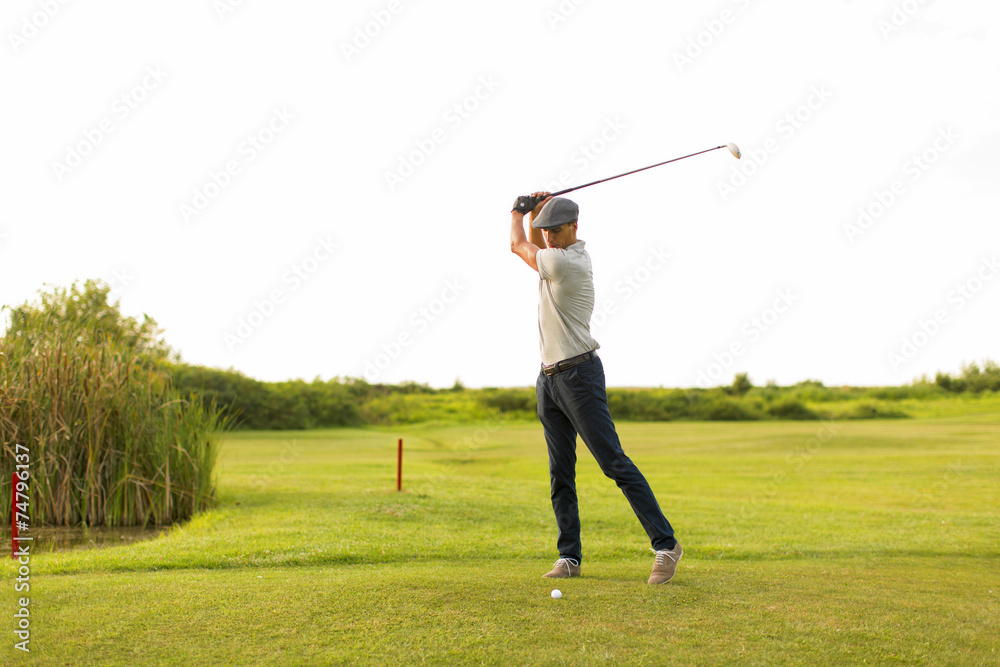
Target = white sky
(830,103)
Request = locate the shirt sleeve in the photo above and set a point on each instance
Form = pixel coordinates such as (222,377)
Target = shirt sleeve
(551,264)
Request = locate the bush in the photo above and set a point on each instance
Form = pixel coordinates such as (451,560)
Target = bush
(874,410)
(917,390)
(741,385)
(973,379)
(509,400)
(271,406)
(387,410)
(110,441)
(237,395)
(728,410)
(789,408)
(648,404)
(944,381)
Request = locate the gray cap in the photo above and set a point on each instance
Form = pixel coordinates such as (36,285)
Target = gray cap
(558,211)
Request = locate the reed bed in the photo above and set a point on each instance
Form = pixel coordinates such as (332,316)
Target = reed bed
(110,441)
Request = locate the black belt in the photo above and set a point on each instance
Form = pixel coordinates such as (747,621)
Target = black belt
(566,364)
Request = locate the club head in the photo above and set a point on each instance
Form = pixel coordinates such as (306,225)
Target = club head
(735,150)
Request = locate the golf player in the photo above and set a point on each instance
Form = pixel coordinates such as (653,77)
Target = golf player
(571,393)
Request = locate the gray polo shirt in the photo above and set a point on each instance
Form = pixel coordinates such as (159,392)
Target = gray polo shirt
(565,302)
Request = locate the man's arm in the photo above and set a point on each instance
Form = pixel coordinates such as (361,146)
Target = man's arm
(536,234)
(520,244)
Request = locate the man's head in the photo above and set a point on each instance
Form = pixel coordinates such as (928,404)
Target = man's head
(558,222)
(562,236)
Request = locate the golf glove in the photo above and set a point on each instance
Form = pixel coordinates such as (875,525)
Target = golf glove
(525,204)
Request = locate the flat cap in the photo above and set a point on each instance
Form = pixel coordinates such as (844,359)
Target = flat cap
(558,211)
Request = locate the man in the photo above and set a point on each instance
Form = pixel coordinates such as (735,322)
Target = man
(571,393)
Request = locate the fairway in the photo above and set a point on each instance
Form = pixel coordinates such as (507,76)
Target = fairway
(804,542)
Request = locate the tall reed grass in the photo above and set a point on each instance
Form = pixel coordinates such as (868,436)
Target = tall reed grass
(110,442)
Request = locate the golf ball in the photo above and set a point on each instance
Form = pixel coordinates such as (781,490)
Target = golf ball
(557,594)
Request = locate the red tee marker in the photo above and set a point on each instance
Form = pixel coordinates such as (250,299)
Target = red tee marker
(399,466)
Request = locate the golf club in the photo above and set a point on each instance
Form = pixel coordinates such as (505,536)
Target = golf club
(522,203)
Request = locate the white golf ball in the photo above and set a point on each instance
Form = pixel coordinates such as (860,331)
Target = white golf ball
(557,594)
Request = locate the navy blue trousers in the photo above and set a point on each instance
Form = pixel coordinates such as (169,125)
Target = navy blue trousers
(573,402)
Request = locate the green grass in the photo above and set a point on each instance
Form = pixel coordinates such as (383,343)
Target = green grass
(805,542)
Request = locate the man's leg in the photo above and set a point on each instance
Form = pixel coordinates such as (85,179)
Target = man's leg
(583,395)
(560,436)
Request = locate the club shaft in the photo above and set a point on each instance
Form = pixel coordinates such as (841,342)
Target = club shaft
(634,171)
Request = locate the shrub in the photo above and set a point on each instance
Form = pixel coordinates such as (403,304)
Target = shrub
(386,410)
(293,404)
(789,408)
(647,404)
(509,400)
(874,410)
(917,390)
(728,410)
(236,394)
(973,379)
(741,385)
(944,381)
